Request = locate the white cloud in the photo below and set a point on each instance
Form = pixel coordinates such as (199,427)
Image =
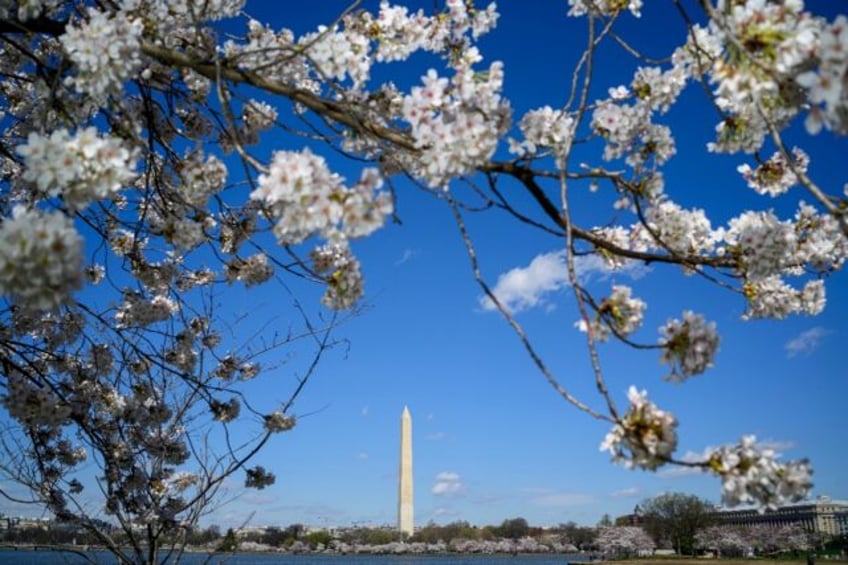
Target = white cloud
(442,511)
(806,342)
(438,436)
(365,411)
(562,499)
(362,455)
(675,471)
(448,484)
(408,254)
(522,288)
(777,445)
(625,493)
(258,499)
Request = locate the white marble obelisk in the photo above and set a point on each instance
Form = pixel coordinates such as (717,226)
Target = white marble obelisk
(405,515)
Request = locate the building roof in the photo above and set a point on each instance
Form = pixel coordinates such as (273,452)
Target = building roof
(819,501)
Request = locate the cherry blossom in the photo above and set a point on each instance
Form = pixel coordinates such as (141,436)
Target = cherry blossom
(546,127)
(645,436)
(279,422)
(308,199)
(620,313)
(689,346)
(40,258)
(105,49)
(604,7)
(753,475)
(775,176)
(826,85)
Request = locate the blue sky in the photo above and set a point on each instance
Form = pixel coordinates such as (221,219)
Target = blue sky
(492,440)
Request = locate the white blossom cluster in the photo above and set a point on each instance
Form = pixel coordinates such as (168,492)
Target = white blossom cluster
(81,168)
(180,481)
(821,242)
(681,231)
(200,178)
(231,367)
(178,213)
(307,199)
(138,311)
(617,236)
(689,346)
(251,271)
(776,175)
(29,9)
(697,55)
(629,130)
(629,133)
(764,45)
(56,330)
(471,115)
(166,443)
(768,538)
(237,228)
(545,127)
(763,243)
(399,34)
(68,454)
(623,540)
(101,361)
(277,422)
(183,354)
(190,279)
(125,243)
(106,51)
(826,88)
(722,539)
(337,55)
(767,249)
(225,411)
(256,116)
(184,11)
(753,475)
(33,404)
(658,89)
(262,51)
(644,437)
(620,313)
(40,258)
(341,272)
(604,7)
(346,51)
(456,123)
(771,297)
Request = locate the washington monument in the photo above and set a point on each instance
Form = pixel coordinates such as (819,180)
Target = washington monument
(405,515)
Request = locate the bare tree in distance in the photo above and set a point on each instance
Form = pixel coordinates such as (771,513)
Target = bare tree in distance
(674,520)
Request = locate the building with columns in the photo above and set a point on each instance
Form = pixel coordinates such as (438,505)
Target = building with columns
(822,515)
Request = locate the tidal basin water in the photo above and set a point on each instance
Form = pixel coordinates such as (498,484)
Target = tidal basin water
(51,558)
